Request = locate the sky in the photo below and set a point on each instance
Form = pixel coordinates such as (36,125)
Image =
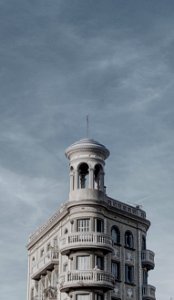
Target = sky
(59,61)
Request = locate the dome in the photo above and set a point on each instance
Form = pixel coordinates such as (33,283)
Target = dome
(87,144)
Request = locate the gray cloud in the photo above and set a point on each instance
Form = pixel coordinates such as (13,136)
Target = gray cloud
(61,60)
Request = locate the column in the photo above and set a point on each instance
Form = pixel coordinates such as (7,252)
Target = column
(91,178)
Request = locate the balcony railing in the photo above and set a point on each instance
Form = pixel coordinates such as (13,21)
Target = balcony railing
(44,264)
(148,259)
(90,278)
(85,240)
(148,292)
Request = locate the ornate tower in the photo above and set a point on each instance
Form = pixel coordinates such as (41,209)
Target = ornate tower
(87,161)
(94,247)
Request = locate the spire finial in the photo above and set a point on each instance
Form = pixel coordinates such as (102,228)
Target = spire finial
(87,126)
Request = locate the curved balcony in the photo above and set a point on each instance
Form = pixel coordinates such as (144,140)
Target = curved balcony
(147,257)
(91,278)
(148,292)
(44,264)
(85,240)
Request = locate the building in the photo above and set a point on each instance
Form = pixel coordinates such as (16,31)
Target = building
(94,247)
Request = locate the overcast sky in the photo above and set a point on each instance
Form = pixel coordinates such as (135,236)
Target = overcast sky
(62,60)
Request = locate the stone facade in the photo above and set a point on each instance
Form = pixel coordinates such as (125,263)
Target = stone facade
(94,247)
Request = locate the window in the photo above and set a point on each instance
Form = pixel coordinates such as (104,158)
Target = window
(82,297)
(55,244)
(98,174)
(65,267)
(99,225)
(143,243)
(99,297)
(145,276)
(83,175)
(99,262)
(129,239)
(115,233)
(33,260)
(48,247)
(41,252)
(129,274)
(83,262)
(115,269)
(83,225)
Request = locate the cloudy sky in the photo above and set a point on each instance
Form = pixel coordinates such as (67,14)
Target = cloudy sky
(59,61)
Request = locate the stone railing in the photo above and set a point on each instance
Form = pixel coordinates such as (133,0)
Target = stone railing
(89,278)
(137,211)
(148,291)
(86,239)
(147,257)
(51,257)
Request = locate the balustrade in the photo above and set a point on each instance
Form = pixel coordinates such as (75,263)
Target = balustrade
(147,257)
(91,277)
(148,292)
(46,262)
(86,240)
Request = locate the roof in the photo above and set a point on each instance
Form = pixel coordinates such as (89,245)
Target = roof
(87,144)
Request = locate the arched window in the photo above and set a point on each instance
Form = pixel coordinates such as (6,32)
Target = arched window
(143,243)
(129,239)
(115,233)
(98,173)
(83,175)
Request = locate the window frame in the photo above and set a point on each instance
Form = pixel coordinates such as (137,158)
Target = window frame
(85,226)
(100,265)
(117,239)
(129,274)
(117,274)
(129,239)
(99,227)
(82,265)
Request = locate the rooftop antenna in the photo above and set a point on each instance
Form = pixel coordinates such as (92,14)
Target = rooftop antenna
(87,126)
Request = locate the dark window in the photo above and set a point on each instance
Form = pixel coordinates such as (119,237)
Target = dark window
(129,274)
(100,262)
(83,175)
(143,243)
(129,239)
(98,173)
(115,269)
(145,276)
(115,233)
(99,297)
(99,225)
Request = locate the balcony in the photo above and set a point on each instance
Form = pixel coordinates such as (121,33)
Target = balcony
(147,257)
(85,240)
(148,292)
(91,279)
(44,264)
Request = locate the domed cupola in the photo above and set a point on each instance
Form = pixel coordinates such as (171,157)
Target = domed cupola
(86,168)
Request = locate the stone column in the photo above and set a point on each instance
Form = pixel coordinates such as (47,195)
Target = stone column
(76,180)
(91,178)
(71,181)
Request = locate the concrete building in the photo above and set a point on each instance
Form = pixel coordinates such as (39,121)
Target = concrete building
(94,247)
